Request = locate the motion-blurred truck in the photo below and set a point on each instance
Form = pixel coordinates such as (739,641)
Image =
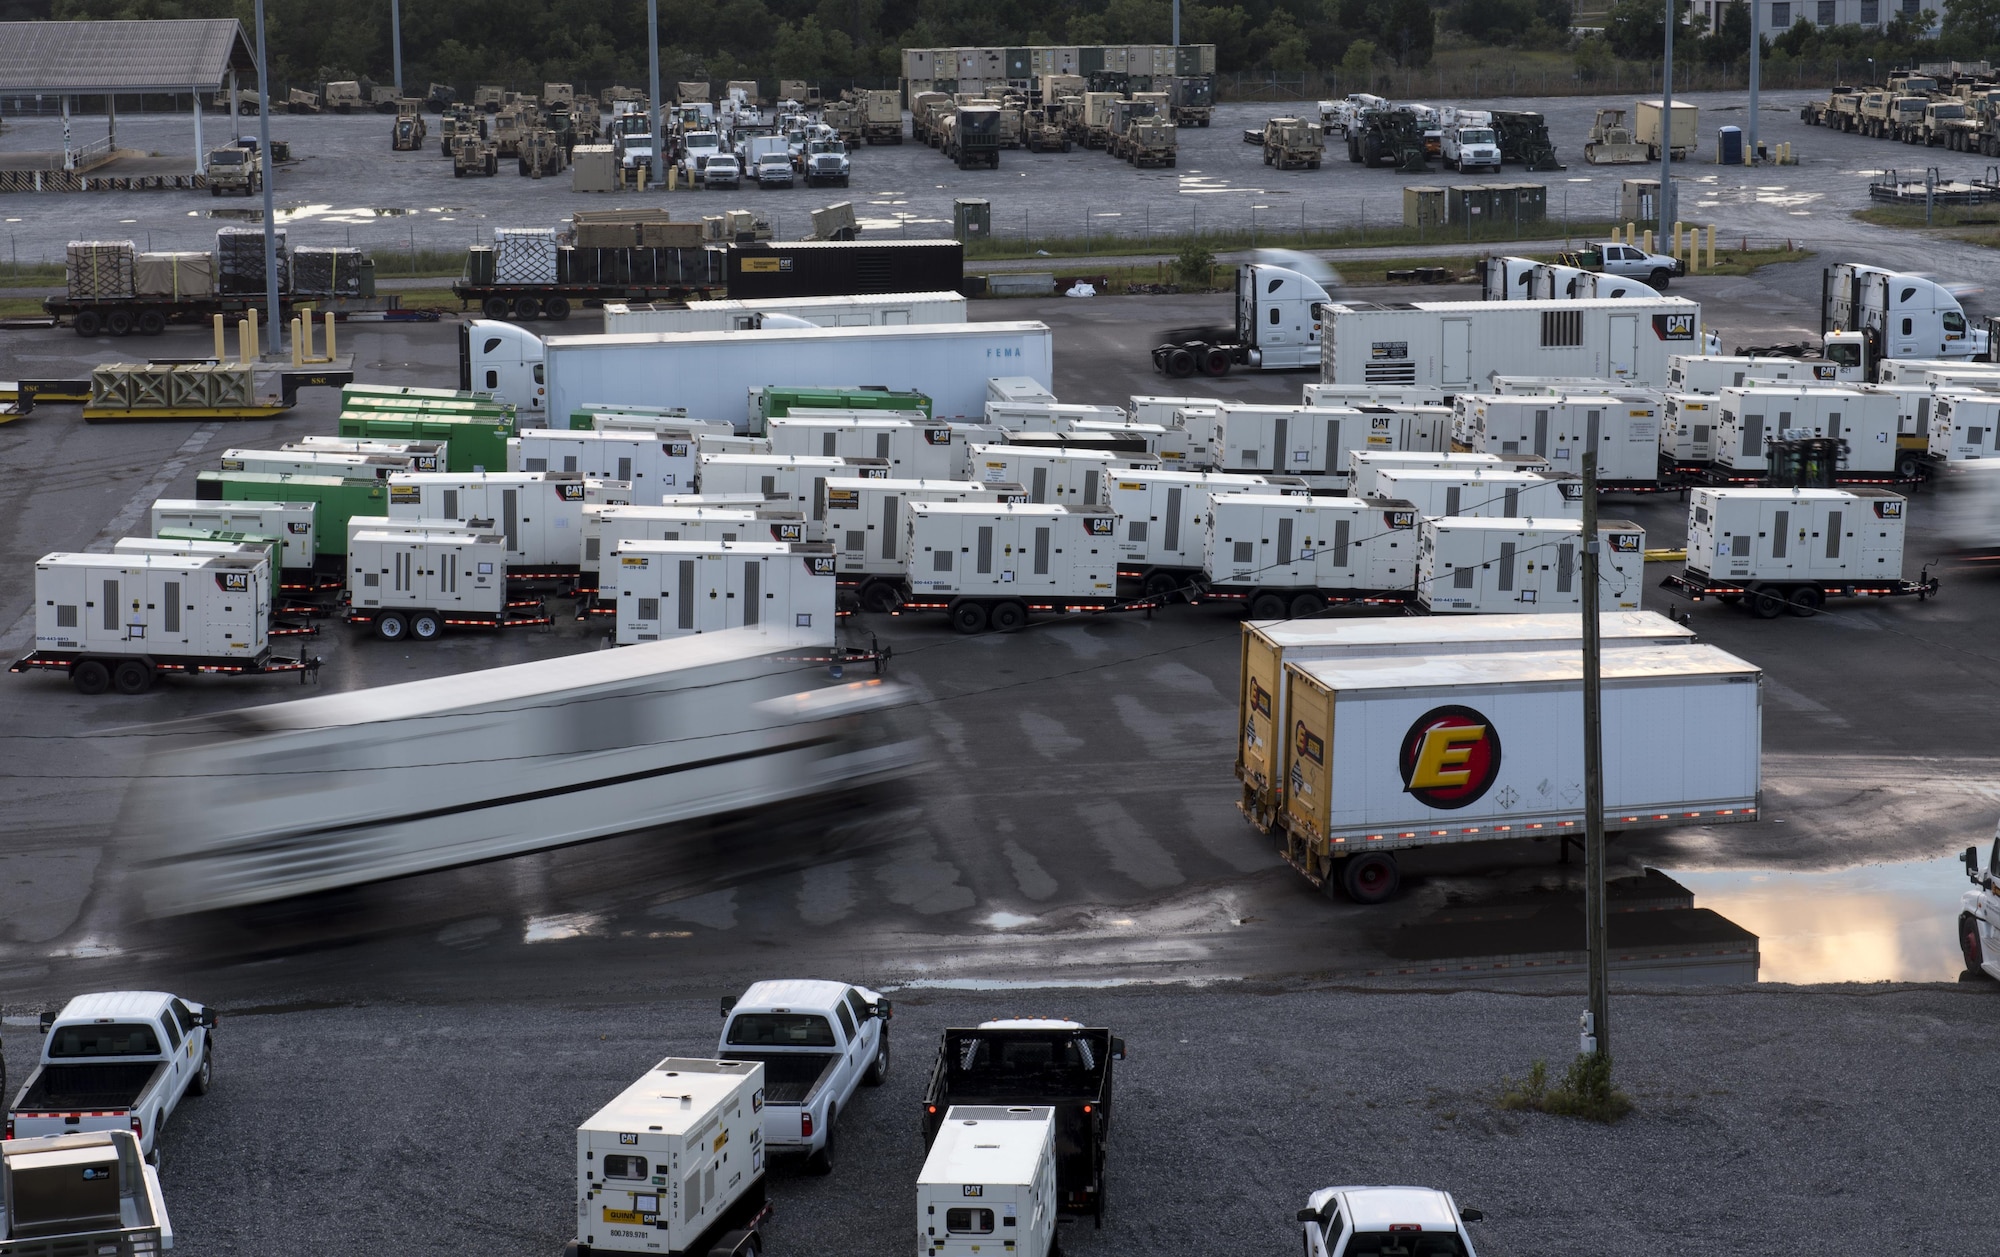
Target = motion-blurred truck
(1293,144)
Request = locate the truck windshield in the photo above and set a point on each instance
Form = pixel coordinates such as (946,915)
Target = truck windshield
(781,1030)
(228,157)
(104,1040)
(1403,1244)
(1475,137)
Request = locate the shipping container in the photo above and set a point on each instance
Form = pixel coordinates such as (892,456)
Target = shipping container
(1393,753)
(1287,555)
(654,464)
(1068,477)
(1751,417)
(679,588)
(1511,566)
(991,564)
(539,515)
(1475,491)
(838,268)
(335,501)
(293,523)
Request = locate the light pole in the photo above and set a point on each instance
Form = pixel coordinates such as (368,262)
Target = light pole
(269,168)
(396,41)
(1756,68)
(1667,128)
(653,69)
(1595,923)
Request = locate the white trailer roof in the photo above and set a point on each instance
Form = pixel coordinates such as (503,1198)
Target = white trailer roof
(704,547)
(1517,307)
(1785,495)
(1524,523)
(239,559)
(671,1098)
(1046,510)
(893,485)
(1467,628)
(988,1144)
(780,335)
(1444,671)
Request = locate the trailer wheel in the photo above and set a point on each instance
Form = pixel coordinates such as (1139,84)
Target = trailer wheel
(88,322)
(390,626)
(425,626)
(1767,602)
(880,597)
(494,308)
(527,309)
(1163,587)
(1267,607)
(968,617)
(132,677)
(821,1162)
(152,322)
(1968,943)
(1307,605)
(1806,600)
(89,676)
(1909,466)
(1372,878)
(1007,617)
(118,322)
(557,308)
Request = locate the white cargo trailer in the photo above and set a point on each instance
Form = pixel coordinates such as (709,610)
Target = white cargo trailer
(1268,645)
(1388,754)
(1624,429)
(665,425)
(867,525)
(540,755)
(990,564)
(791,481)
(913,449)
(1017,388)
(422,455)
(1280,555)
(1367,466)
(293,522)
(711,373)
(121,620)
(869,310)
(1965,425)
(1475,491)
(1750,417)
(990,1177)
(538,514)
(1779,550)
(415,585)
(1163,518)
(653,464)
(675,1163)
(1455,346)
(678,588)
(1687,432)
(1511,566)
(1057,476)
(316,463)
(1049,416)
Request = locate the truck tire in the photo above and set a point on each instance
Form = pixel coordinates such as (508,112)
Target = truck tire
(527,309)
(556,308)
(152,322)
(1268,607)
(1660,278)
(204,1075)
(1007,617)
(494,308)
(1909,466)
(89,676)
(1371,878)
(1163,588)
(132,676)
(1306,605)
(87,323)
(821,1162)
(878,1069)
(1214,361)
(118,322)
(1767,602)
(390,626)
(1806,600)
(968,618)
(1968,943)
(880,597)
(1180,359)
(426,626)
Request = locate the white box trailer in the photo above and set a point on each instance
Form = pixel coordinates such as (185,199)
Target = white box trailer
(1687,430)
(416,585)
(1049,416)
(1268,645)
(1055,476)
(1163,519)
(652,463)
(422,455)
(675,1163)
(711,373)
(538,514)
(1711,373)
(1017,388)
(1368,465)
(1321,394)
(316,463)
(1624,429)
(1965,425)
(679,588)
(1511,566)
(1455,346)
(989,1178)
(793,481)
(1750,417)
(1477,491)
(869,310)
(913,449)
(1280,555)
(867,524)
(1389,753)
(120,620)
(293,522)
(1813,537)
(704,726)
(989,564)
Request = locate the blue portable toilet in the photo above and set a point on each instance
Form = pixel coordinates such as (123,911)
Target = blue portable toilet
(1729,147)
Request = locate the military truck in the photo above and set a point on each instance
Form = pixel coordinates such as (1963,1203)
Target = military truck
(540,153)
(343,96)
(489,98)
(1043,132)
(974,136)
(1152,142)
(382,98)
(1013,129)
(1945,124)
(881,117)
(1888,116)
(559,93)
(1524,138)
(1123,114)
(509,125)
(410,129)
(438,97)
(1193,101)
(235,169)
(923,107)
(844,116)
(1293,144)
(473,154)
(457,118)
(1097,118)
(1825,113)
(302,101)
(1389,137)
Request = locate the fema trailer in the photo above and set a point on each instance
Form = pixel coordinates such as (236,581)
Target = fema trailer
(335,501)
(1505,494)
(1385,755)
(605,528)
(1624,430)
(421,455)
(676,588)
(1072,477)
(698,735)
(654,464)
(1280,556)
(1517,565)
(1455,345)
(1867,423)
(315,463)
(121,620)
(990,1177)
(1268,645)
(1366,466)
(913,450)
(415,585)
(792,481)
(1687,433)
(291,522)
(1776,550)
(866,523)
(539,515)
(1163,521)
(675,1164)
(992,564)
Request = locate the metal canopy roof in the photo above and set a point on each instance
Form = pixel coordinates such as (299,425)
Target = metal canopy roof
(76,58)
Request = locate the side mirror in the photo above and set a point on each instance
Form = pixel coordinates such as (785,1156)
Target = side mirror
(1471,1215)
(47,1019)
(883,1010)
(1972,863)
(1308,1215)
(208,1018)
(1117,1048)
(728,1002)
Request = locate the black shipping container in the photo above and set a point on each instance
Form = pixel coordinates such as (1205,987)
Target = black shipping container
(844,268)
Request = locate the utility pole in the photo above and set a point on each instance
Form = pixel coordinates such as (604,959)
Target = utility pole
(273,315)
(1756,64)
(1598,1032)
(1666,144)
(396,40)
(1177,30)
(653,83)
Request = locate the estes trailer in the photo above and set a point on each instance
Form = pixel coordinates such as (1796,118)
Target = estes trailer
(1277,328)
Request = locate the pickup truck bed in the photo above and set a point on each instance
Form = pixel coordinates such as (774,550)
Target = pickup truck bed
(790,1077)
(94,1086)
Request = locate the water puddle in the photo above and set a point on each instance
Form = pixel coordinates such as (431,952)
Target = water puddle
(567,925)
(1006,920)
(1873,923)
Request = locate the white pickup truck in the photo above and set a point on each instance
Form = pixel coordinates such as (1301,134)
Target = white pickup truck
(1979,914)
(116,1060)
(1377,1221)
(818,1041)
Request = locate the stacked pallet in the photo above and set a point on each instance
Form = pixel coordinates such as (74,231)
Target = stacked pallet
(97,270)
(173,275)
(326,272)
(524,255)
(239,259)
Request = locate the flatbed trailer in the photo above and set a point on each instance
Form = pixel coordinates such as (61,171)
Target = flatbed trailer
(150,316)
(1768,599)
(68,662)
(526,302)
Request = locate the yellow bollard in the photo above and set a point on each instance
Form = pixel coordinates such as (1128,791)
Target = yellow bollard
(221,339)
(296,343)
(1711,246)
(1649,240)
(1675,252)
(329,336)
(1694,249)
(250,345)
(1630,235)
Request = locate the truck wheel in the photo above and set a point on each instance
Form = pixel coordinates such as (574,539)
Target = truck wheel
(132,677)
(1215,361)
(494,308)
(556,308)
(426,626)
(89,677)
(390,626)
(821,1162)
(969,618)
(527,309)
(1968,943)
(1267,607)
(1806,600)
(118,322)
(1163,588)
(1660,278)
(1307,605)
(198,1085)
(152,322)
(1180,361)
(1767,602)
(1007,617)
(1371,878)
(878,1069)
(87,323)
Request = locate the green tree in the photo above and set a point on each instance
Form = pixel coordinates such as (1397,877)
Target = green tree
(1357,68)
(1283,42)
(1409,28)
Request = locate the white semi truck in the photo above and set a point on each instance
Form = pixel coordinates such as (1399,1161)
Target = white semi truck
(711,373)
(1456,345)
(1869,314)
(1277,328)
(872,310)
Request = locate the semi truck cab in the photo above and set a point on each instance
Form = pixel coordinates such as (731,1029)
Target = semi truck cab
(506,361)
(1895,315)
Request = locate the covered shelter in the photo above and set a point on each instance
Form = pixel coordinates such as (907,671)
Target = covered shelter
(69,60)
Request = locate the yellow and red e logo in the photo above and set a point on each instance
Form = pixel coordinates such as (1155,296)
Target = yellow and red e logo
(1450,757)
